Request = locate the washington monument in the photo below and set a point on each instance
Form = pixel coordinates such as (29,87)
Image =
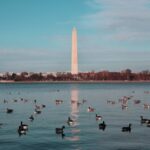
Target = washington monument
(74,61)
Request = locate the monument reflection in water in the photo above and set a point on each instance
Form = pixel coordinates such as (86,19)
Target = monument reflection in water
(74,103)
(74,114)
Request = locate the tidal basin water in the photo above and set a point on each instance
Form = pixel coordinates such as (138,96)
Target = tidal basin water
(84,134)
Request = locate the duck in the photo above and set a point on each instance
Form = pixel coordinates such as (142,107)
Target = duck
(8,110)
(98,117)
(31,118)
(60,130)
(127,129)
(102,126)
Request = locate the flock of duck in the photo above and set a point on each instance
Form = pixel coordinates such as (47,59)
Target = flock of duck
(23,128)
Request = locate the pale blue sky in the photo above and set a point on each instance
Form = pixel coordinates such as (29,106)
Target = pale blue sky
(35,35)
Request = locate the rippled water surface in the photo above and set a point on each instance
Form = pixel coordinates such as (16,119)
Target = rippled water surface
(84,134)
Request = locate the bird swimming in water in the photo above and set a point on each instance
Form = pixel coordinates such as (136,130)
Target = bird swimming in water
(70,121)
(8,110)
(22,128)
(90,109)
(60,130)
(127,129)
(31,118)
(98,117)
(102,126)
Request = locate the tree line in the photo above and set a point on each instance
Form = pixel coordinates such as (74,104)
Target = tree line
(82,76)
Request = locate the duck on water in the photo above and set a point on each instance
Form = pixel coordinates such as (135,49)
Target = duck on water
(31,118)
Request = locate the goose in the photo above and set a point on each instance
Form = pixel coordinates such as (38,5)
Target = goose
(25,100)
(90,109)
(21,130)
(21,99)
(43,106)
(37,111)
(137,101)
(98,117)
(60,130)
(35,101)
(58,101)
(5,101)
(143,120)
(15,100)
(127,129)
(102,126)
(70,121)
(24,126)
(124,106)
(146,106)
(31,118)
(8,110)
(37,106)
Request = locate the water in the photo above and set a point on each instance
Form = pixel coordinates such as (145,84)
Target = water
(84,134)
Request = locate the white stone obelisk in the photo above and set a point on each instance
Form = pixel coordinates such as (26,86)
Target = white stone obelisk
(74,63)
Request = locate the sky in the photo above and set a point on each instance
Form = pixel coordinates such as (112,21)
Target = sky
(35,35)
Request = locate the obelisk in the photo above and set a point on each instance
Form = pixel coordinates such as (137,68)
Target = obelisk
(74,63)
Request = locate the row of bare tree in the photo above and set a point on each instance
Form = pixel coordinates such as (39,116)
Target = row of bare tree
(82,76)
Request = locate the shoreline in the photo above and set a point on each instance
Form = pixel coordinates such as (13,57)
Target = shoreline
(70,82)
